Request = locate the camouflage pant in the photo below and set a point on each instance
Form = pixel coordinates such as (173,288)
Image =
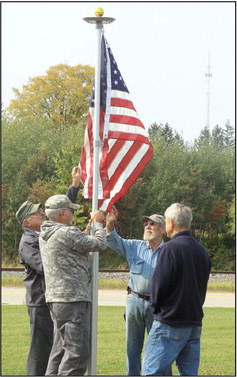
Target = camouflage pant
(70,352)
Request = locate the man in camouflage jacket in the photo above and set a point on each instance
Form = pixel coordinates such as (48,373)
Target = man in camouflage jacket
(31,216)
(65,255)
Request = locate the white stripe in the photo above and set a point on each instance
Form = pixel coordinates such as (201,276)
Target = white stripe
(115,110)
(111,143)
(126,128)
(120,94)
(105,205)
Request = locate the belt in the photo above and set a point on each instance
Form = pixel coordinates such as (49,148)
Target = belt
(144,297)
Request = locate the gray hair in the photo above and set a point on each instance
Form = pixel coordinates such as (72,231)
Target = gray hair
(52,214)
(180,214)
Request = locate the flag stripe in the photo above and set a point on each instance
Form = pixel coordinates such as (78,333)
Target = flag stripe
(122,103)
(120,94)
(128,120)
(124,111)
(127,136)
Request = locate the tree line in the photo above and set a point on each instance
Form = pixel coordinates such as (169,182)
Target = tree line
(43,133)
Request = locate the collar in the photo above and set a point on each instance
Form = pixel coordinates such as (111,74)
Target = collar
(182,233)
(26,229)
(158,247)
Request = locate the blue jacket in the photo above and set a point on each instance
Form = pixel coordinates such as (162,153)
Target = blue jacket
(180,282)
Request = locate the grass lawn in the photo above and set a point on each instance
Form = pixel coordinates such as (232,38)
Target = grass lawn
(221,286)
(217,344)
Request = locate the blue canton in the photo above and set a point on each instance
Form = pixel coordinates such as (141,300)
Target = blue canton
(117,82)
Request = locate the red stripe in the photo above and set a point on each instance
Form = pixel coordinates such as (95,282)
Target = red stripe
(104,170)
(126,119)
(118,102)
(128,136)
(83,153)
(82,165)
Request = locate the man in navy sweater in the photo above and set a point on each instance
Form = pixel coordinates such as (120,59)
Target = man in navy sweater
(178,293)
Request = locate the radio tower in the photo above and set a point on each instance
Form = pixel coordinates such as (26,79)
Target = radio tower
(208,75)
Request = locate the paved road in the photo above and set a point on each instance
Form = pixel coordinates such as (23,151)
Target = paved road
(16,296)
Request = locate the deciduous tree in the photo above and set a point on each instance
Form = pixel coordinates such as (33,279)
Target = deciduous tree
(61,96)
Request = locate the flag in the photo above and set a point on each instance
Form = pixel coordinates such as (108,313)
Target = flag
(125,147)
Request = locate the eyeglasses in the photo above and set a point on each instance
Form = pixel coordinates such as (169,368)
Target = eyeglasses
(150,224)
(40,212)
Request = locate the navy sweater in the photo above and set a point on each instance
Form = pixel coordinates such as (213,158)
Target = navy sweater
(180,282)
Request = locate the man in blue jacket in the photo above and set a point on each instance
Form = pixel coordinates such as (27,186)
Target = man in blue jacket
(31,216)
(141,256)
(177,295)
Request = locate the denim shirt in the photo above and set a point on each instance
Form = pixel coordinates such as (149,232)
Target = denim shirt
(141,260)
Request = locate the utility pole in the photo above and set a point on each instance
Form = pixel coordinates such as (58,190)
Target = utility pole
(208,75)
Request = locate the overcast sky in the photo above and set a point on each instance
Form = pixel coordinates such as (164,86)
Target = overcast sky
(161,49)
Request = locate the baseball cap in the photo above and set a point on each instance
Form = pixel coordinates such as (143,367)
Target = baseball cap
(155,218)
(60,201)
(26,209)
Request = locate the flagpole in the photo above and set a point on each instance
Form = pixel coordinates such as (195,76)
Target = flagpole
(98,21)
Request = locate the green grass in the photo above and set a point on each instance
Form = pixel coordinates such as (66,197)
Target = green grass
(223,286)
(113,284)
(217,343)
(12,281)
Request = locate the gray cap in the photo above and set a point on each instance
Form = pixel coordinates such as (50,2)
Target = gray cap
(26,209)
(60,201)
(155,218)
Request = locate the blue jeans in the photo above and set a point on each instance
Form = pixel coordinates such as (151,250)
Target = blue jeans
(138,318)
(165,344)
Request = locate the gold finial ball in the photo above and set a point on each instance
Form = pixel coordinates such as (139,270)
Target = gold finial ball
(99,12)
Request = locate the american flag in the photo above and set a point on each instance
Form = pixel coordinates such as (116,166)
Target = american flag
(126,149)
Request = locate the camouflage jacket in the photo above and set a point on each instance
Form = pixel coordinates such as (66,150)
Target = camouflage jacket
(30,257)
(65,255)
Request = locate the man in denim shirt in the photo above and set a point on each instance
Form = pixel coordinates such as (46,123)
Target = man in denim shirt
(141,257)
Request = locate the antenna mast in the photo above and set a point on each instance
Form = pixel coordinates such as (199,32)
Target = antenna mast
(208,75)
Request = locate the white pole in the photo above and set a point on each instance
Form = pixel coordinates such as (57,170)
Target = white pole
(92,370)
(99,21)
(96,124)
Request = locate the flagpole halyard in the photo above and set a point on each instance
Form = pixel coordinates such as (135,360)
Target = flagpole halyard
(98,21)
